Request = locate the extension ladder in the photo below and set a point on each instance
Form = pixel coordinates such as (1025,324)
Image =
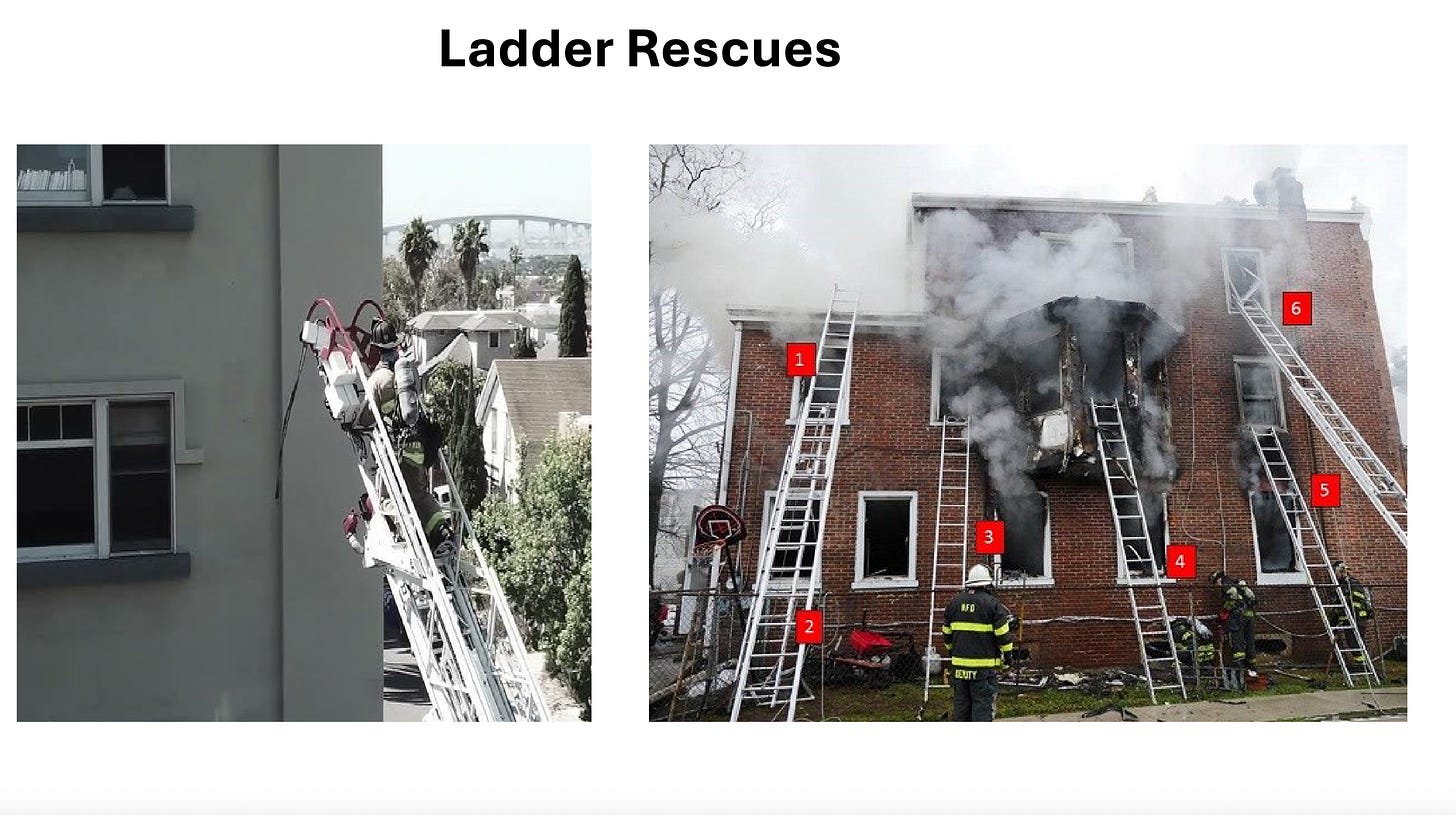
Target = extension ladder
(700,647)
(1374,478)
(1314,560)
(471,671)
(771,662)
(952,519)
(1137,566)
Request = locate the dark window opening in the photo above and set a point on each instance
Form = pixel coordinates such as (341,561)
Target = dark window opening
(1044,375)
(799,524)
(56,497)
(887,537)
(953,380)
(1276,547)
(1026,534)
(1258,387)
(134,172)
(45,422)
(1135,552)
(1244,273)
(495,339)
(141,476)
(1102,356)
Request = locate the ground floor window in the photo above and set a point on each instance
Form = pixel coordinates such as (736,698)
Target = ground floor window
(94,477)
(1275,550)
(885,540)
(1028,555)
(797,525)
(1155,514)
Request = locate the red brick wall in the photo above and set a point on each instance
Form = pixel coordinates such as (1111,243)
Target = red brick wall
(889,444)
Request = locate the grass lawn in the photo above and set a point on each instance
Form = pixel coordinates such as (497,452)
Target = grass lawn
(902,701)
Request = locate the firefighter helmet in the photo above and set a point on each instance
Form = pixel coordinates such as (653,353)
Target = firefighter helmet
(1215,577)
(979,575)
(382,335)
(1340,567)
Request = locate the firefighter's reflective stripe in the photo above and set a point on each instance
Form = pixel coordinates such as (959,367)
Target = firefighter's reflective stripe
(1006,648)
(1001,631)
(982,627)
(975,662)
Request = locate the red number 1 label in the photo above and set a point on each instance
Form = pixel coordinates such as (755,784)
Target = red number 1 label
(801,358)
(990,537)
(1324,490)
(1298,308)
(1182,561)
(809,627)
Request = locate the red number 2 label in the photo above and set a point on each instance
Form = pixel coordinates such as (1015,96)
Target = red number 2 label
(809,627)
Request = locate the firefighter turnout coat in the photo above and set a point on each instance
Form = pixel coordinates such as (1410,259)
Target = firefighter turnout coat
(977,630)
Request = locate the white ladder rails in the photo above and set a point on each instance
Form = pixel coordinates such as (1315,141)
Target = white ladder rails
(1374,478)
(470,672)
(1137,564)
(1315,561)
(771,662)
(949,557)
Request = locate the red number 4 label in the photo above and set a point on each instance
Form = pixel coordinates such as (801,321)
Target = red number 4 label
(801,358)
(1298,308)
(990,537)
(809,627)
(1182,561)
(1324,490)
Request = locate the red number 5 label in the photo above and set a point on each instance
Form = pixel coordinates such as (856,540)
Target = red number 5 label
(1324,490)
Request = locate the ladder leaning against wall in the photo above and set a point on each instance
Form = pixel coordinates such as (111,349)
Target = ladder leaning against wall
(949,557)
(1137,566)
(771,662)
(1374,478)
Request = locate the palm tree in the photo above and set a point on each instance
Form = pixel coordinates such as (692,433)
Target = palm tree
(416,248)
(516,256)
(469,245)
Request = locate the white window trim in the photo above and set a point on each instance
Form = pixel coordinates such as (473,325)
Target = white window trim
(1300,577)
(1167,538)
(1029,582)
(763,523)
(79,393)
(1278,389)
(1125,243)
(96,195)
(863,583)
(1224,252)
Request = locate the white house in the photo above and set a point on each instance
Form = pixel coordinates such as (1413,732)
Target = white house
(478,337)
(523,403)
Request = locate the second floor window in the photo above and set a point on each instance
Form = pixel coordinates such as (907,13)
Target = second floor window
(91,174)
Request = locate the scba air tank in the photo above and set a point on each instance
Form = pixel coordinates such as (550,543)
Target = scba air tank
(406,382)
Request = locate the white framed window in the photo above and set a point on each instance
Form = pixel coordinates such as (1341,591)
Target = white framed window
(95,476)
(1276,552)
(1028,557)
(1155,514)
(495,339)
(92,174)
(884,551)
(785,560)
(1261,400)
(1243,269)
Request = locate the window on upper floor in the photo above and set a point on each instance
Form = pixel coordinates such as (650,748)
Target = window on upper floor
(91,174)
(826,384)
(1243,275)
(1121,247)
(1261,403)
(94,477)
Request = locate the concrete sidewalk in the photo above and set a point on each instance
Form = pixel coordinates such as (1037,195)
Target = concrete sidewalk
(1319,704)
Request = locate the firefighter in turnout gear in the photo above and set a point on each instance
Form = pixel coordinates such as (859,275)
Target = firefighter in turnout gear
(1357,602)
(1237,617)
(978,634)
(1191,636)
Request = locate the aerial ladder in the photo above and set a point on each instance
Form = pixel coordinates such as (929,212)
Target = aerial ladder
(1374,478)
(771,662)
(1324,584)
(1136,564)
(472,661)
(952,521)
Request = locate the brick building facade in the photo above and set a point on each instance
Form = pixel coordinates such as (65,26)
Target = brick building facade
(1077,614)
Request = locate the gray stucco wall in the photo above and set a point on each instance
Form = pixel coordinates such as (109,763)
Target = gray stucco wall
(276,619)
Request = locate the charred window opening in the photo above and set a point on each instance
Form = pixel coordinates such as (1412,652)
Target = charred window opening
(1271,535)
(1043,376)
(1244,272)
(1103,364)
(949,380)
(1260,403)
(1135,555)
(887,531)
(830,375)
(1028,535)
